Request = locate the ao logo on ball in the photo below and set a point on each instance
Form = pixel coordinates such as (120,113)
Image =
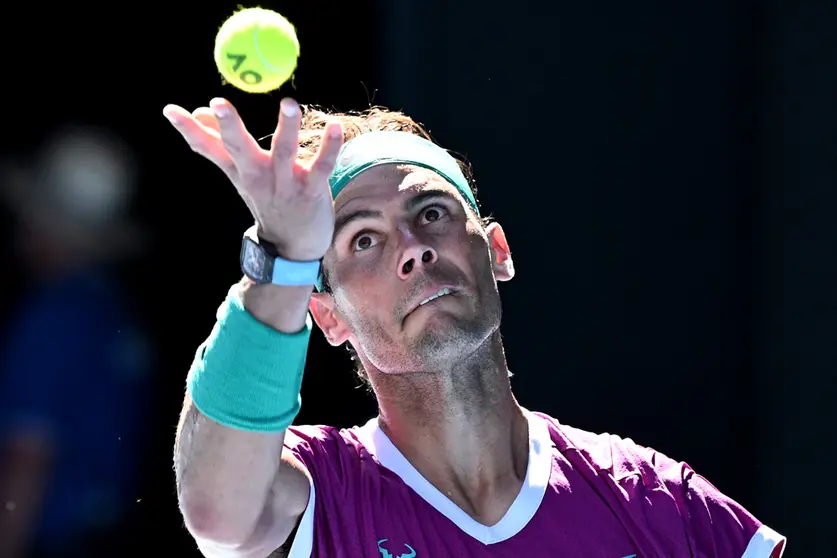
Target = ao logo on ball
(249,77)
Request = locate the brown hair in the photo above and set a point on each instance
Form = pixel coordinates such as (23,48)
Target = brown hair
(374,119)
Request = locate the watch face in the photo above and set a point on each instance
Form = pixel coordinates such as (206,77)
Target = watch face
(254,263)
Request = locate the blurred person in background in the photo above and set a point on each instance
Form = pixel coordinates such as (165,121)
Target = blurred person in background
(74,362)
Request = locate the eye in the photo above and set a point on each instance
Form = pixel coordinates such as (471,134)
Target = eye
(363,241)
(433,213)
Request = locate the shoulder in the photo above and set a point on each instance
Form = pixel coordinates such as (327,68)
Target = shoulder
(313,438)
(327,452)
(619,457)
(606,452)
(653,490)
(336,462)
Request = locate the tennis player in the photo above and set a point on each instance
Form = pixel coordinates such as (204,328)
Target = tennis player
(380,240)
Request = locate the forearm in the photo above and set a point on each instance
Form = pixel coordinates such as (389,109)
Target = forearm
(282,308)
(225,474)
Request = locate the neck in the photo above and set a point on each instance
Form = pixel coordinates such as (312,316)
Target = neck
(460,427)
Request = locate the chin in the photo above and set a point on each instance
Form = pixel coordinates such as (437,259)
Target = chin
(445,338)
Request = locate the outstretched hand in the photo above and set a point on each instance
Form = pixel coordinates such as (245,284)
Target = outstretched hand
(290,201)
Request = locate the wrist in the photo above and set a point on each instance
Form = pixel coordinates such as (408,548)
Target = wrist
(265,263)
(246,375)
(280,307)
(277,248)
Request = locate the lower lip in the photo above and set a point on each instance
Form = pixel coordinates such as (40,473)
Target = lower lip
(437,299)
(411,312)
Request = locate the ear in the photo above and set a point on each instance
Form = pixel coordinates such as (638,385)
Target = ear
(501,259)
(336,330)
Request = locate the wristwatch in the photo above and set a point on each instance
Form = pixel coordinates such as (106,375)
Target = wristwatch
(261,263)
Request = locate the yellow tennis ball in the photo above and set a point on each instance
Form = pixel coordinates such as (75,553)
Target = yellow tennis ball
(256,50)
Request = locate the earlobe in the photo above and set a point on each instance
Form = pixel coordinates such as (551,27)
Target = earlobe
(500,253)
(333,327)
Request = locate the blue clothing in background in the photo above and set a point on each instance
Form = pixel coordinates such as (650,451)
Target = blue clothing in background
(75,367)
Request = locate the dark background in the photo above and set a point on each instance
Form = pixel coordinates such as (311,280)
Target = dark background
(665,172)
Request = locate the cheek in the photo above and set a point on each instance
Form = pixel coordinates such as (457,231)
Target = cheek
(479,255)
(363,275)
(366,318)
(352,271)
(371,268)
(362,292)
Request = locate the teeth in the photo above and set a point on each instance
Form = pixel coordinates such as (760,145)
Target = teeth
(442,292)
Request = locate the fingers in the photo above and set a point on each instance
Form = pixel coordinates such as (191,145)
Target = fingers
(326,157)
(205,116)
(239,143)
(286,138)
(202,140)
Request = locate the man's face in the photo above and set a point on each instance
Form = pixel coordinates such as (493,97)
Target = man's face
(412,270)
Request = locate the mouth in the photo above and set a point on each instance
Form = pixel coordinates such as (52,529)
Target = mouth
(439,293)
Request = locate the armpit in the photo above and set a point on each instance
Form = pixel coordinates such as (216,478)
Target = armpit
(284,550)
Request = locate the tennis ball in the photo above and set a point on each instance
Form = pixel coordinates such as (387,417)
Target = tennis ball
(256,50)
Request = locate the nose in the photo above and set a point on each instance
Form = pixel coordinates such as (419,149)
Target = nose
(414,257)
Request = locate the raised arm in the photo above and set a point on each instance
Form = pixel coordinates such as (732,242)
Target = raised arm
(239,493)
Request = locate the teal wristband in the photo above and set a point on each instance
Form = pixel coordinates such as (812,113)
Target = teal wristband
(247,375)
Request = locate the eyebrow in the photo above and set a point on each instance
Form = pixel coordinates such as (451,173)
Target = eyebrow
(347,218)
(410,204)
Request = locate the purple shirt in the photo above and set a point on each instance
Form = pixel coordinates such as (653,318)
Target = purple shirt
(588,495)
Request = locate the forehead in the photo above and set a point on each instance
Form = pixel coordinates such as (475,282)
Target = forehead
(388,183)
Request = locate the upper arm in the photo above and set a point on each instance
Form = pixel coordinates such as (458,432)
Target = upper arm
(283,510)
(314,459)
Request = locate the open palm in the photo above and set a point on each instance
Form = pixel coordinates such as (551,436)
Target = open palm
(290,202)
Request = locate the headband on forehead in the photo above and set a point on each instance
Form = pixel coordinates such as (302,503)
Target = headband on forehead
(379,148)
